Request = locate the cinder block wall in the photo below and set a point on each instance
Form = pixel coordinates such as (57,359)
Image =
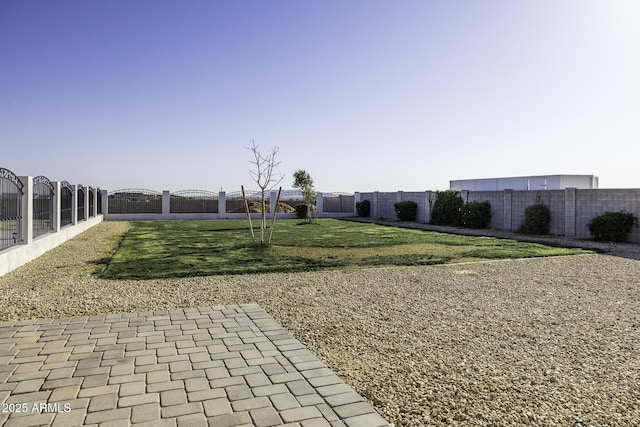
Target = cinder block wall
(557,207)
(369,197)
(591,203)
(508,207)
(496,199)
(554,199)
(420,198)
(382,203)
(386,209)
(520,201)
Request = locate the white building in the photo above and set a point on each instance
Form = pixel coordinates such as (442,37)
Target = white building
(542,182)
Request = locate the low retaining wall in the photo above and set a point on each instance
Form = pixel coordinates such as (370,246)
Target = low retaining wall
(39,221)
(14,257)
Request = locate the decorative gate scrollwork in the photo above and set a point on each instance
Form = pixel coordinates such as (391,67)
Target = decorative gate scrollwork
(80,197)
(42,205)
(10,209)
(66,203)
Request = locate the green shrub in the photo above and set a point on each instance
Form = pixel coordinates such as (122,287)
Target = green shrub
(476,214)
(446,208)
(612,226)
(406,211)
(537,220)
(363,208)
(302,210)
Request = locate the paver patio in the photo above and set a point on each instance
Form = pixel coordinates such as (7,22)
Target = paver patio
(213,366)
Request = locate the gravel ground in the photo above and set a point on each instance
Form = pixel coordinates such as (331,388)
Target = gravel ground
(549,342)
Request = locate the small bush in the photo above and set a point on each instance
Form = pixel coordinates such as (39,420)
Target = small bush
(537,220)
(612,226)
(406,211)
(476,214)
(363,208)
(302,210)
(446,208)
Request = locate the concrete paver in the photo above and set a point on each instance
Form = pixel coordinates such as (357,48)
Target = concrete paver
(210,366)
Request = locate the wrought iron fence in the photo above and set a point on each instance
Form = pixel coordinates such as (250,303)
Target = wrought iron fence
(42,206)
(193,201)
(10,209)
(338,202)
(235,204)
(66,203)
(133,201)
(81,214)
(289,199)
(91,203)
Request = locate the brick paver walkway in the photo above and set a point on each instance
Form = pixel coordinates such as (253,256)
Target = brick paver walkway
(213,366)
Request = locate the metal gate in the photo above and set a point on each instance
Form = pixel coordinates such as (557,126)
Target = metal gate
(81,196)
(10,209)
(42,206)
(66,203)
(91,205)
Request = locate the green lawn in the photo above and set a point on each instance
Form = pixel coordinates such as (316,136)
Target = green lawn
(160,249)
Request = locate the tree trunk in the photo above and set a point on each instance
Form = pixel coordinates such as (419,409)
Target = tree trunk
(263,219)
(246,207)
(273,219)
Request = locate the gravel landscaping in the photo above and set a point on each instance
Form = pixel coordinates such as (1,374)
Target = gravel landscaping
(549,342)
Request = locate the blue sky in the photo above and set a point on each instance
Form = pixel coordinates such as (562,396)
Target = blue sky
(364,95)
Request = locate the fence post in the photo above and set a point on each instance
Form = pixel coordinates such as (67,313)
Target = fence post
(26,232)
(570,212)
(166,202)
(94,212)
(86,202)
(356,199)
(105,203)
(507,224)
(399,198)
(376,205)
(222,203)
(427,207)
(56,206)
(319,203)
(74,204)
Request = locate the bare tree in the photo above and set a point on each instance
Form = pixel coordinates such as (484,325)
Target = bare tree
(263,174)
